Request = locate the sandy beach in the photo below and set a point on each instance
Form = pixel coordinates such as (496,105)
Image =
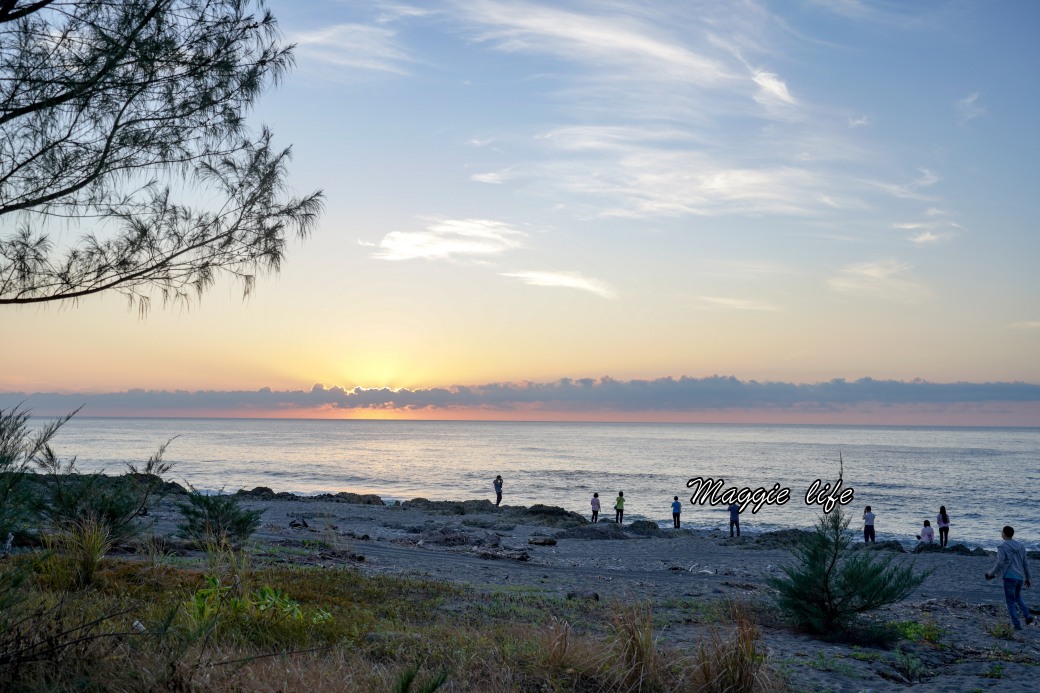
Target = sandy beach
(557,553)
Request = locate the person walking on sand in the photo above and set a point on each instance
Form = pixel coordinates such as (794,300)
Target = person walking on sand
(734,518)
(1013,564)
(676,509)
(595,507)
(942,521)
(498,490)
(868,526)
(927,535)
(619,508)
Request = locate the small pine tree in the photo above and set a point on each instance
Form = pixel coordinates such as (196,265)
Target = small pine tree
(217,518)
(829,585)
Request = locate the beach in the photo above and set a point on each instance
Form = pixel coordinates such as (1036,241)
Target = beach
(556,553)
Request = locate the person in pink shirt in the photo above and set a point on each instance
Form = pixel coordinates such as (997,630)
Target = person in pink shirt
(595,507)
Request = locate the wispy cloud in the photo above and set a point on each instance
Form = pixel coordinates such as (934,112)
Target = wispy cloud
(350,51)
(889,280)
(860,121)
(1026,325)
(969,108)
(738,303)
(599,40)
(453,239)
(490,177)
(566,280)
(913,189)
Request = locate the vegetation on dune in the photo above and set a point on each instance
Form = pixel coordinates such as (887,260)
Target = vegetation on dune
(829,587)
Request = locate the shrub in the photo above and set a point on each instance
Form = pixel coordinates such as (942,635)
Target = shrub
(634,652)
(217,518)
(732,662)
(79,550)
(69,497)
(20,451)
(829,586)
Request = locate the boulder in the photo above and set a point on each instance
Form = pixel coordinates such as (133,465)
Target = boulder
(644,528)
(599,530)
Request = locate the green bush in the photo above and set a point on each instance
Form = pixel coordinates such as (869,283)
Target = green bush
(829,586)
(20,451)
(68,497)
(217,518)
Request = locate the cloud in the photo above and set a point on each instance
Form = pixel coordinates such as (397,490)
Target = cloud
(738,303)
(567,280)
(602,41)
(350,51)
(453,239)
(861,121)
(1026,325)
(911,190)
(888,280)
(969,108)
(667,394)
(773,89)
(936,228)
(493,178)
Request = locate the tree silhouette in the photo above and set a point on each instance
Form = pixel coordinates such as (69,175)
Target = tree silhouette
(122,127)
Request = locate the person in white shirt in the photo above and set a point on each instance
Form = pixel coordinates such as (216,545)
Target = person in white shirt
(942,521)
(868,525)
(927,535)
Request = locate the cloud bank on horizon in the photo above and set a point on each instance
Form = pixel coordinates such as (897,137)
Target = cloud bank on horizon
(584,395)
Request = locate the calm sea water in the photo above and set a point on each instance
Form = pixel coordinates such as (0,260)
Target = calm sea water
(985,477)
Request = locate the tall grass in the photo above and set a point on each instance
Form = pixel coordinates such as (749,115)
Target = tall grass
(729,661)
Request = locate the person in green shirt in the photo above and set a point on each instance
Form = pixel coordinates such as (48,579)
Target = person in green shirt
(619,507)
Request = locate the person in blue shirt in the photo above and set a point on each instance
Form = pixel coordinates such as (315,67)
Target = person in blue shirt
(676,509)
(498,490)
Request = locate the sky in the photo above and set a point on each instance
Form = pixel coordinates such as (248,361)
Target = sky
(809,211)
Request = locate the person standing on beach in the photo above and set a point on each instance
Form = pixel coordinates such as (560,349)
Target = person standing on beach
(498,490)
(595,507)
(942,521)
(868,526)
(1013,564)
(676,509)
(619,507)
(734,518)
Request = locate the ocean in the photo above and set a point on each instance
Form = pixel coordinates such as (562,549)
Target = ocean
(986,477)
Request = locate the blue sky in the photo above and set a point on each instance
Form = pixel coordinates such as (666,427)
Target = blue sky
(790,192)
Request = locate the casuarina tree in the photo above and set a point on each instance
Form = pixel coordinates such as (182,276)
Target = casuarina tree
(126,161)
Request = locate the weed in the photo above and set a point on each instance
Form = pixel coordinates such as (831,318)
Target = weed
(821,661)
(731,661)
(1001,630)
(927,632)
(909,666)
(994,672)
(634,648)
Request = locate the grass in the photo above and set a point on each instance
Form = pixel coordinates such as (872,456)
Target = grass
(928,633)
(227,623)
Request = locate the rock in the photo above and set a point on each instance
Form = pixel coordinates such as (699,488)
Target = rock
(600,530)
(497,553)
(550,516)
(890,545)
(358,498)
(644,528)
(448,536)
(927,548)
(299,524)
(260,492)
(590,596)
(542,541)
(962,550)
(470,507)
